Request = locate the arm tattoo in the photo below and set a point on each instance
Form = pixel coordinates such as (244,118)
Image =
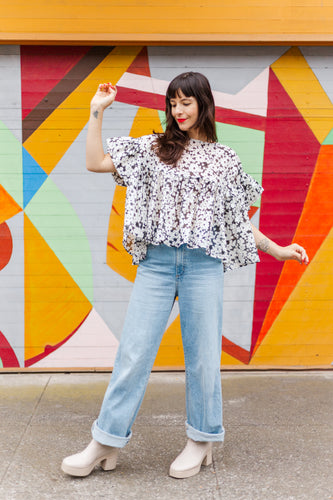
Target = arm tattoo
(95,113)
(263,245)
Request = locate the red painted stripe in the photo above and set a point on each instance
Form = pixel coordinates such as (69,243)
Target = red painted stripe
(157,101)
(290,156)
(42,67)
(235,351)
(140,65)
(7,354)
(112,246)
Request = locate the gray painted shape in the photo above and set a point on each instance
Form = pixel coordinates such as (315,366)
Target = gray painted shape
(320,59)
(91,195)
(12,295)
(239,289)
(228,68)
(10,89)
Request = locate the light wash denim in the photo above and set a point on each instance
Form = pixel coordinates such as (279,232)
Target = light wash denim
(197,280)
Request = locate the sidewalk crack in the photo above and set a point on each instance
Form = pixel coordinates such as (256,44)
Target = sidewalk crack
(33,413)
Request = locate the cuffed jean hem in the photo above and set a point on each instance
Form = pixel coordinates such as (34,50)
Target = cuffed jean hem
(203,436)
(108,439)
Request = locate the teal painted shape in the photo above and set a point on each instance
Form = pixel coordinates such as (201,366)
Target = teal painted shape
(329,138)
(33,176)
(249,145)
(11,174)
(57,222)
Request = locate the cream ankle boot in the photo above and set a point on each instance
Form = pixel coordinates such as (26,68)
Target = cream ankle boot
(188,463)
(81,464)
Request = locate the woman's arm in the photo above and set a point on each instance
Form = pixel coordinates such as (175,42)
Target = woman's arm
(293,252)
(96,160)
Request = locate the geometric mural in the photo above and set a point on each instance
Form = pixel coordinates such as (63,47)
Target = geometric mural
(65,276)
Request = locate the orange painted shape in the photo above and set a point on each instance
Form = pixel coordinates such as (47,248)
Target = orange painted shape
(302,334)
(8,205)
(54,304)
(171,351)
(6,245)
(145,122)
(116,256)
(315,223)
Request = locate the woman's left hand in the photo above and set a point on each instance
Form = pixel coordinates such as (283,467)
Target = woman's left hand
(293,252)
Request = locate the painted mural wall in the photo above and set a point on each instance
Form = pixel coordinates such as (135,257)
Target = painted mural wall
(65,279)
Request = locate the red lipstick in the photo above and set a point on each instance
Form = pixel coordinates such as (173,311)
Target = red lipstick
(181,120)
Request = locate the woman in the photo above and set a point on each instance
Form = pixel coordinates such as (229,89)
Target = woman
(186,222)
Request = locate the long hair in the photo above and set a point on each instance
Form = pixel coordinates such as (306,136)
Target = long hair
(170,145)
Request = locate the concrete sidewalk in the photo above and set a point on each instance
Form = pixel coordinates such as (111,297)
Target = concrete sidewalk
(279,438)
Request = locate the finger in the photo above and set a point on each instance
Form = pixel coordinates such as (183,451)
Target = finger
(302,256)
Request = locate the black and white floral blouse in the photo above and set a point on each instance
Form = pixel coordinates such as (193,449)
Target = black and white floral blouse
(203,201)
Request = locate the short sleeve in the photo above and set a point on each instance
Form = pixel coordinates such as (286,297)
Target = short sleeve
(128,155)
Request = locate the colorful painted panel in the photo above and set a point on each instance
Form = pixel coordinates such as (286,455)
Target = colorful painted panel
(65,276)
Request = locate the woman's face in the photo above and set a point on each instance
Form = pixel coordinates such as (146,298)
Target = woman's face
(185,111)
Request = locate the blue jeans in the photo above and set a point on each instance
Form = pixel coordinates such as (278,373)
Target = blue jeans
(197,280)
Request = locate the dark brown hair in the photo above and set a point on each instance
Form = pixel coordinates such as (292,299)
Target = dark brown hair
(169,146)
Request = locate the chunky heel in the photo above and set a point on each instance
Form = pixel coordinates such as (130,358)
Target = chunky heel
(208,458)
(82,464)
(188,463)
(109,463)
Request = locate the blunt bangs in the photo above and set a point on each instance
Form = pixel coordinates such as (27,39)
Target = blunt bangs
(184,82)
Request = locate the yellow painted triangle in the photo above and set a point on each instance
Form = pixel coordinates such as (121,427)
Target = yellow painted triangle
(54,304)
(303,87)
(55,135)
(302,334)
(145,122)
(170,353)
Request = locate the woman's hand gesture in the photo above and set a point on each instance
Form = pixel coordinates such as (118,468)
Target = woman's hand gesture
(293,252)
(104,97)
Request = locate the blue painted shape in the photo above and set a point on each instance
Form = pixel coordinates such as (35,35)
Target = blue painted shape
(33,176)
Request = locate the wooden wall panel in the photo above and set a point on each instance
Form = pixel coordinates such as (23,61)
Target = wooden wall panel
(160,22)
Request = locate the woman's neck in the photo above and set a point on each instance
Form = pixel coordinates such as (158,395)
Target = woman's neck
(197,135)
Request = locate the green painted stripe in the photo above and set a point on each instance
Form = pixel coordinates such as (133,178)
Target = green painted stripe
(329,138)
(11,170)
(57,222)
(249,145)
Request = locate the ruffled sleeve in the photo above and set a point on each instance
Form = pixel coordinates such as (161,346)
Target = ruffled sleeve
(128,156)
(248,189)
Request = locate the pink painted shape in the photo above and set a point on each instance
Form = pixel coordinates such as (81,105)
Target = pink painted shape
(92,346)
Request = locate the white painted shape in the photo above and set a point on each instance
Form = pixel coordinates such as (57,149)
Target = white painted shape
(10,89)
(251,99)
(93,345)
(239,288)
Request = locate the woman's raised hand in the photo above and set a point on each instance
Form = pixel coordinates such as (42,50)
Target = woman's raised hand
(104,97)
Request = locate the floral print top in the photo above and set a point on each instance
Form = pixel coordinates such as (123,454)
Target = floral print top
(202,202)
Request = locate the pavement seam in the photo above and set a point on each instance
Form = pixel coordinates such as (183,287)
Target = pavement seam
(25,429)
(216,480)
